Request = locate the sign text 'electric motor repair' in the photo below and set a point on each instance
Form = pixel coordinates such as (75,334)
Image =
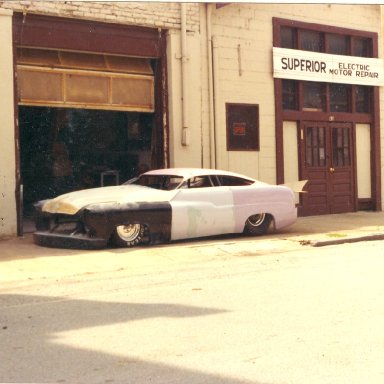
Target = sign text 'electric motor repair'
(360,70)
(314,66)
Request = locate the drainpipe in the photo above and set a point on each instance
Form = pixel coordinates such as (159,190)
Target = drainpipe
(216,93)
(211,89)
(184,75)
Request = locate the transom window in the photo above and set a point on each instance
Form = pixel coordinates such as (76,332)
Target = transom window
(313,96)
(325,97)
(340,97)
(338,44)
(311,41)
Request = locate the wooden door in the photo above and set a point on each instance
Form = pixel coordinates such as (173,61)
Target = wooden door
(327,161)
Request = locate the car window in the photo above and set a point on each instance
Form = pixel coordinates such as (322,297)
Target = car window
(173,182)
(164,182)
(231,181)
(198,182)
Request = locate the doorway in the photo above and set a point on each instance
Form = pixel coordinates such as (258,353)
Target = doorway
(327,162)
(67,149)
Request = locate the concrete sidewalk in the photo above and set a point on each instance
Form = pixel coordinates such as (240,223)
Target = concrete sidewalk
(338,228)
(22,261)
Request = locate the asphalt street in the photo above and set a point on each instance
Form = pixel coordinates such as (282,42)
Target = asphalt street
(226,310)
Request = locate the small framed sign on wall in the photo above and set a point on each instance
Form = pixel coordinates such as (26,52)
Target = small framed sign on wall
(242,127)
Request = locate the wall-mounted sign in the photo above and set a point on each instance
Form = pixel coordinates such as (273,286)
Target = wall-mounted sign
(242,127)
(239,129)
(314,66)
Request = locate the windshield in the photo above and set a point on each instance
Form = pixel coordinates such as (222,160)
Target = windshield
(164,182)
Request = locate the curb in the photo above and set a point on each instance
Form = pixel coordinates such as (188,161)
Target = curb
(322,243)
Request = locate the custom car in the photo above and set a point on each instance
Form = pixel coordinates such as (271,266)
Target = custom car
(161,206)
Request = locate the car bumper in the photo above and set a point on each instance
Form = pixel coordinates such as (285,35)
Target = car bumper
(48,239)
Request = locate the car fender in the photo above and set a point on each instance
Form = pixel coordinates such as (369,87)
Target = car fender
(278,201)
(102,219)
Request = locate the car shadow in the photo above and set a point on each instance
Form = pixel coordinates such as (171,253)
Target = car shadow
(58,339)
(24,248)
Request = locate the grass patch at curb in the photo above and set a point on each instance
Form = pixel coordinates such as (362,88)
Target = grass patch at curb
(336,235)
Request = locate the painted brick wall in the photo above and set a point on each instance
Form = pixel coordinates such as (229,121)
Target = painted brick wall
(149,14)
(243,35)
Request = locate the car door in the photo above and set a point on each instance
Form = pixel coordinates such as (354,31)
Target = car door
(201,210)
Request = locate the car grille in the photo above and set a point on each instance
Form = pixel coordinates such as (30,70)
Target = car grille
(65,225)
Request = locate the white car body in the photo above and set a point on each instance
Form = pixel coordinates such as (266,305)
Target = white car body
(185,210)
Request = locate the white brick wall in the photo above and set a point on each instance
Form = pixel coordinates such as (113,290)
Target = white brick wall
(148,14)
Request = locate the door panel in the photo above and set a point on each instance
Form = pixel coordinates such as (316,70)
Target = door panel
(198,212)
(342,195)
(315,202)
(327,162)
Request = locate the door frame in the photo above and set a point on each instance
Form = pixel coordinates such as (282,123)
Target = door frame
(329,166)
(374,203)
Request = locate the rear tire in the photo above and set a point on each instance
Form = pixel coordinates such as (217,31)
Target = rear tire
(258,224)
(128,235)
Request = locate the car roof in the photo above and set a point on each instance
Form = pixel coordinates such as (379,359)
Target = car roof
(186,173)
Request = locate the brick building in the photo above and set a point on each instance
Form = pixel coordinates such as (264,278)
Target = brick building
(114,85)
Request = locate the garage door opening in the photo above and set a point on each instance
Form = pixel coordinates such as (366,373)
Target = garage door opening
(64,149)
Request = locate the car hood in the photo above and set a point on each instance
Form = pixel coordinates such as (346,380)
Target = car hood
(71,203)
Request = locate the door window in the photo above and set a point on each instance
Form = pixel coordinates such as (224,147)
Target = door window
(315,147)
(341,156)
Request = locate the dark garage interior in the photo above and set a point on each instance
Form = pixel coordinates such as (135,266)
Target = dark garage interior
(64,149)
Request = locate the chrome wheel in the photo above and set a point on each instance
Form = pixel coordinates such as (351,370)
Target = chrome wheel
(128,235)
(257,224)
(256,220)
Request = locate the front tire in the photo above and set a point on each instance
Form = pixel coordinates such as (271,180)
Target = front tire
(128,235)
(258,224)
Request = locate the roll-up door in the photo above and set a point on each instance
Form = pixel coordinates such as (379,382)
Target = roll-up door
(83,80)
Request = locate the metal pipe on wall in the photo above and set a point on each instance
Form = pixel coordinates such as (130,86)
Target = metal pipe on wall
(184,75)
(216,93)
(211,90)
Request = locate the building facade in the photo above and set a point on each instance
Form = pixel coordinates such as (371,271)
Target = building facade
(93,91)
